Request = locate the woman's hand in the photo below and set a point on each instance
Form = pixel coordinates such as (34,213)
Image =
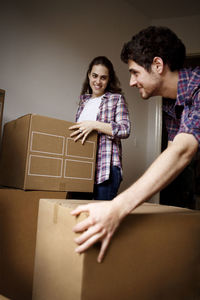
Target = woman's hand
(100,225)
(82,130)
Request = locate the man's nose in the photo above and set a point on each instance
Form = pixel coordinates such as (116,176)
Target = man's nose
(133,81)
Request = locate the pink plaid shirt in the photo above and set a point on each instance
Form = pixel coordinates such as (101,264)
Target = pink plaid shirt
(113,110)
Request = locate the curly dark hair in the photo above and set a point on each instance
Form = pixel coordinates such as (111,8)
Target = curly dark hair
(113,85)
(155,41)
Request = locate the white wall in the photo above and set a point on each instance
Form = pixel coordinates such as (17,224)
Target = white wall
(45,48)
(44,53)
(186,28)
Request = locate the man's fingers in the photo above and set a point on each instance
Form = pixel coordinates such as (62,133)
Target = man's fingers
(104,246)
(81,226)
(88,233)
(79,209)
(88,243)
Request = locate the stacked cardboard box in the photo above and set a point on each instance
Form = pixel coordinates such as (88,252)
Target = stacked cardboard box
(38,160)
(3,298)
(38,154)
(2,96)
(153,255)
(18,227)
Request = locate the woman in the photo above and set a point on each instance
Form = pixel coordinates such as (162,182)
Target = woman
(103,108)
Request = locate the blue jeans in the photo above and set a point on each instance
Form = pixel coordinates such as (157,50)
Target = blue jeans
(108,189)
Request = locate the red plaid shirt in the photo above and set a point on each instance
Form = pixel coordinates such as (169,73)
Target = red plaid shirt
(113,110)
(183,114)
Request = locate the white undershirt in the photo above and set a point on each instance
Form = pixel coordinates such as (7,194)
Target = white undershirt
(91,109)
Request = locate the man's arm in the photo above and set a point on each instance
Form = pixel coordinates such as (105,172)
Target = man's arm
(162,171)
(105,217)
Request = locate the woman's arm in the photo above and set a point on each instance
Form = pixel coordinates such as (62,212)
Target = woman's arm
(119,128)
(121,125)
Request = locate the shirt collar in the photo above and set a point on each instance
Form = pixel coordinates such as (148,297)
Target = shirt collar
(85,97)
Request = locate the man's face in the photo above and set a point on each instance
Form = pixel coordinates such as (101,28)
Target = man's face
(148,83)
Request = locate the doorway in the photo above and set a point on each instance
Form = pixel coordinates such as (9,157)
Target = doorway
(184,191)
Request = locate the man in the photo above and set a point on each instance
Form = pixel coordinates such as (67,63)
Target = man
(155,58)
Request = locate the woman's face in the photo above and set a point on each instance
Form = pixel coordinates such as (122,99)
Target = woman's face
(98,80)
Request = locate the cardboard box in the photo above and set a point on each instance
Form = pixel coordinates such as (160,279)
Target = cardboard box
(18,227)
(153,255)
(3,298)
(2,96)
(38,154)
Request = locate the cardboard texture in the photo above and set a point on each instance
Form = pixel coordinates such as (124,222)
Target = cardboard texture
(155,254)
(2,97)
(18,227)
(3,298)
(38,154)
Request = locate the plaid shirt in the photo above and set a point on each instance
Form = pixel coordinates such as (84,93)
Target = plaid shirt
(183,115)
(112,110)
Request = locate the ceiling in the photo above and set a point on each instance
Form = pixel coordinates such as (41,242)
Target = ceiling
(157,9)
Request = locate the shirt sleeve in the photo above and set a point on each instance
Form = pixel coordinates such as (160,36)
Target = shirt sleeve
(190,123)
(121,125)
(172,126)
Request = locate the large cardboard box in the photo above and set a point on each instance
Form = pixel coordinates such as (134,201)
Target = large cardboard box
(38,154)
(18,227)
(154,255)
(3,298)
(2,96)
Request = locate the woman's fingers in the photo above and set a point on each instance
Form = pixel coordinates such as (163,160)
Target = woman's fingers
(82,130)
(76,126)
(78,134)
(74,133)
(85,137)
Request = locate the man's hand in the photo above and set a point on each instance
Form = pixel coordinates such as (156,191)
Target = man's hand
(100,225)
(82,130)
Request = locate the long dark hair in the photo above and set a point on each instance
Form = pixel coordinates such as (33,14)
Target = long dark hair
(113,85)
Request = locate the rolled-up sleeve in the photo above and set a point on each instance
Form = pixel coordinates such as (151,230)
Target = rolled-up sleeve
(190,122)
(121,125)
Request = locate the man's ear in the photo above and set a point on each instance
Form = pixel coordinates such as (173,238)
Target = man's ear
(158,64)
